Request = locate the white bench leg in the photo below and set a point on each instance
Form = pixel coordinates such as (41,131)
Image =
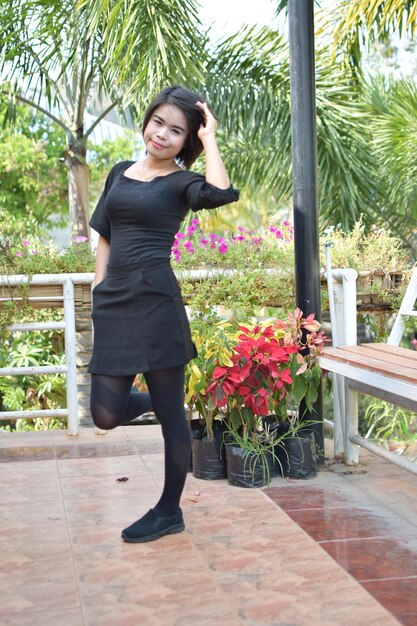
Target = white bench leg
(351,424)
(339,416)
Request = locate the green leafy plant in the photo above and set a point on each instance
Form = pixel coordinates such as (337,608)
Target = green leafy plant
(387,423)
(214,340)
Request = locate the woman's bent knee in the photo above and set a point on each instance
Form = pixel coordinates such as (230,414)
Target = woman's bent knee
(102,420)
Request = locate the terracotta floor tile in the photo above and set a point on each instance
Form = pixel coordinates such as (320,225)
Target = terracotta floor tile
(135,615)
(300,497)
(26,453)
(30,471)
(332,524)
(113,466)
(106,486)
(397,596)
(299,600)
(67,617)
(22,439)
(396,557)
(31,590)
(19,490)
(407,510)
(315,496)
(94,450)
(89,435)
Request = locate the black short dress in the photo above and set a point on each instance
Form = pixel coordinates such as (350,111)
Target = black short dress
(140,323)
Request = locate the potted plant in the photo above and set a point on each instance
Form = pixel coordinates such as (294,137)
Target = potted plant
(297,452)
(214,342)
(273,366)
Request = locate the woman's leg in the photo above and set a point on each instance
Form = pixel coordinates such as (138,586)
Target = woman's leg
(166,388)
(113,402)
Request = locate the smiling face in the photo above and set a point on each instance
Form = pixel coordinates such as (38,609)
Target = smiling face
(166,132)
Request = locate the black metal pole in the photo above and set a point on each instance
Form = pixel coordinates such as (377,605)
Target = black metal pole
(304,173)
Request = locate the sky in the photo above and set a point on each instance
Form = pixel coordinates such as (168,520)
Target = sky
(228,16)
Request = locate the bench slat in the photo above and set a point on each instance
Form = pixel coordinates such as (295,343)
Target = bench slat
(354,356)
(385,347)
(392,357)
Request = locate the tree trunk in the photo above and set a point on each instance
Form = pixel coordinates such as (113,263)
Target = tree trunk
(78,186)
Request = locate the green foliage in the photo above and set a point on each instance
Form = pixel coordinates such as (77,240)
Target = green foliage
(32,256)
(33,184)
(356,25)
(386,423)
(46,391)
(394,105)
(363,250)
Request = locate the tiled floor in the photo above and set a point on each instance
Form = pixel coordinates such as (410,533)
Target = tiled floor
(329,551)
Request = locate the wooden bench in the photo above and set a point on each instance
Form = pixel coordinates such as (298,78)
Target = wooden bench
(382,370)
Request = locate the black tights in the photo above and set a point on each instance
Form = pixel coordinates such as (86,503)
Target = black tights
(113,404)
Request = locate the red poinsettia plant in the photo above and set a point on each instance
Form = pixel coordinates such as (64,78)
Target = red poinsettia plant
(271,366)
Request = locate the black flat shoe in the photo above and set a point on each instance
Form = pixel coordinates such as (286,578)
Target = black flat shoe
(151,526)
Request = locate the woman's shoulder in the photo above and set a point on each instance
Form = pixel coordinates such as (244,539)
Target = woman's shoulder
(184,177)
(120,167)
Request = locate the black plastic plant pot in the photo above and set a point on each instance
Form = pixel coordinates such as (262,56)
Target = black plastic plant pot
(208,455)
(297,456)
(246,469)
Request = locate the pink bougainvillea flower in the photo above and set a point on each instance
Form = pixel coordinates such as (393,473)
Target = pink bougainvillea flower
(223,248)
(19,254)
(26,242)
(179,236)
(80,239)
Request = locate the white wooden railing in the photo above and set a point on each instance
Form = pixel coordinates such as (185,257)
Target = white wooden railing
(68,325)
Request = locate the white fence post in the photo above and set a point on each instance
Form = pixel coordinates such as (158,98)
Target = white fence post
(70,356)
(342,295)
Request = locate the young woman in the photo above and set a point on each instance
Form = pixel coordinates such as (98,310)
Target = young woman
(140,324)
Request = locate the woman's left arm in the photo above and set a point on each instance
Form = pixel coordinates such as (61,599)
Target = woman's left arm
(215,170)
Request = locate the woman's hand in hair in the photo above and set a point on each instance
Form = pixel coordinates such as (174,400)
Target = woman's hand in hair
(210,125)
(215,171)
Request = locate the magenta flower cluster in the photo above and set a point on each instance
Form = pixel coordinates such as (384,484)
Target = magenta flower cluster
(285,233)
(26,243)
(193,237)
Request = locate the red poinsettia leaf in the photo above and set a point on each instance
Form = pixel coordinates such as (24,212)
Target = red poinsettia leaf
(219,372)
(236,376)
(244,390)
(228,388)
(286,376)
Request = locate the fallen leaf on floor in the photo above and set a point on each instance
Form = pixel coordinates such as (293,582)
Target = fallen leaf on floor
(348,472)
(122,479)
(194,497)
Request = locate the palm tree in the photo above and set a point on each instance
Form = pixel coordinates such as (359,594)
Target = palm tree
(393,104)
(59,57)
(248,82)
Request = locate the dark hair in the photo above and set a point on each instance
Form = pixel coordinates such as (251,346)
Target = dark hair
(185,100)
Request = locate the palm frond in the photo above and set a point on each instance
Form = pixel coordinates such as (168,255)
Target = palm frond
(355,24)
